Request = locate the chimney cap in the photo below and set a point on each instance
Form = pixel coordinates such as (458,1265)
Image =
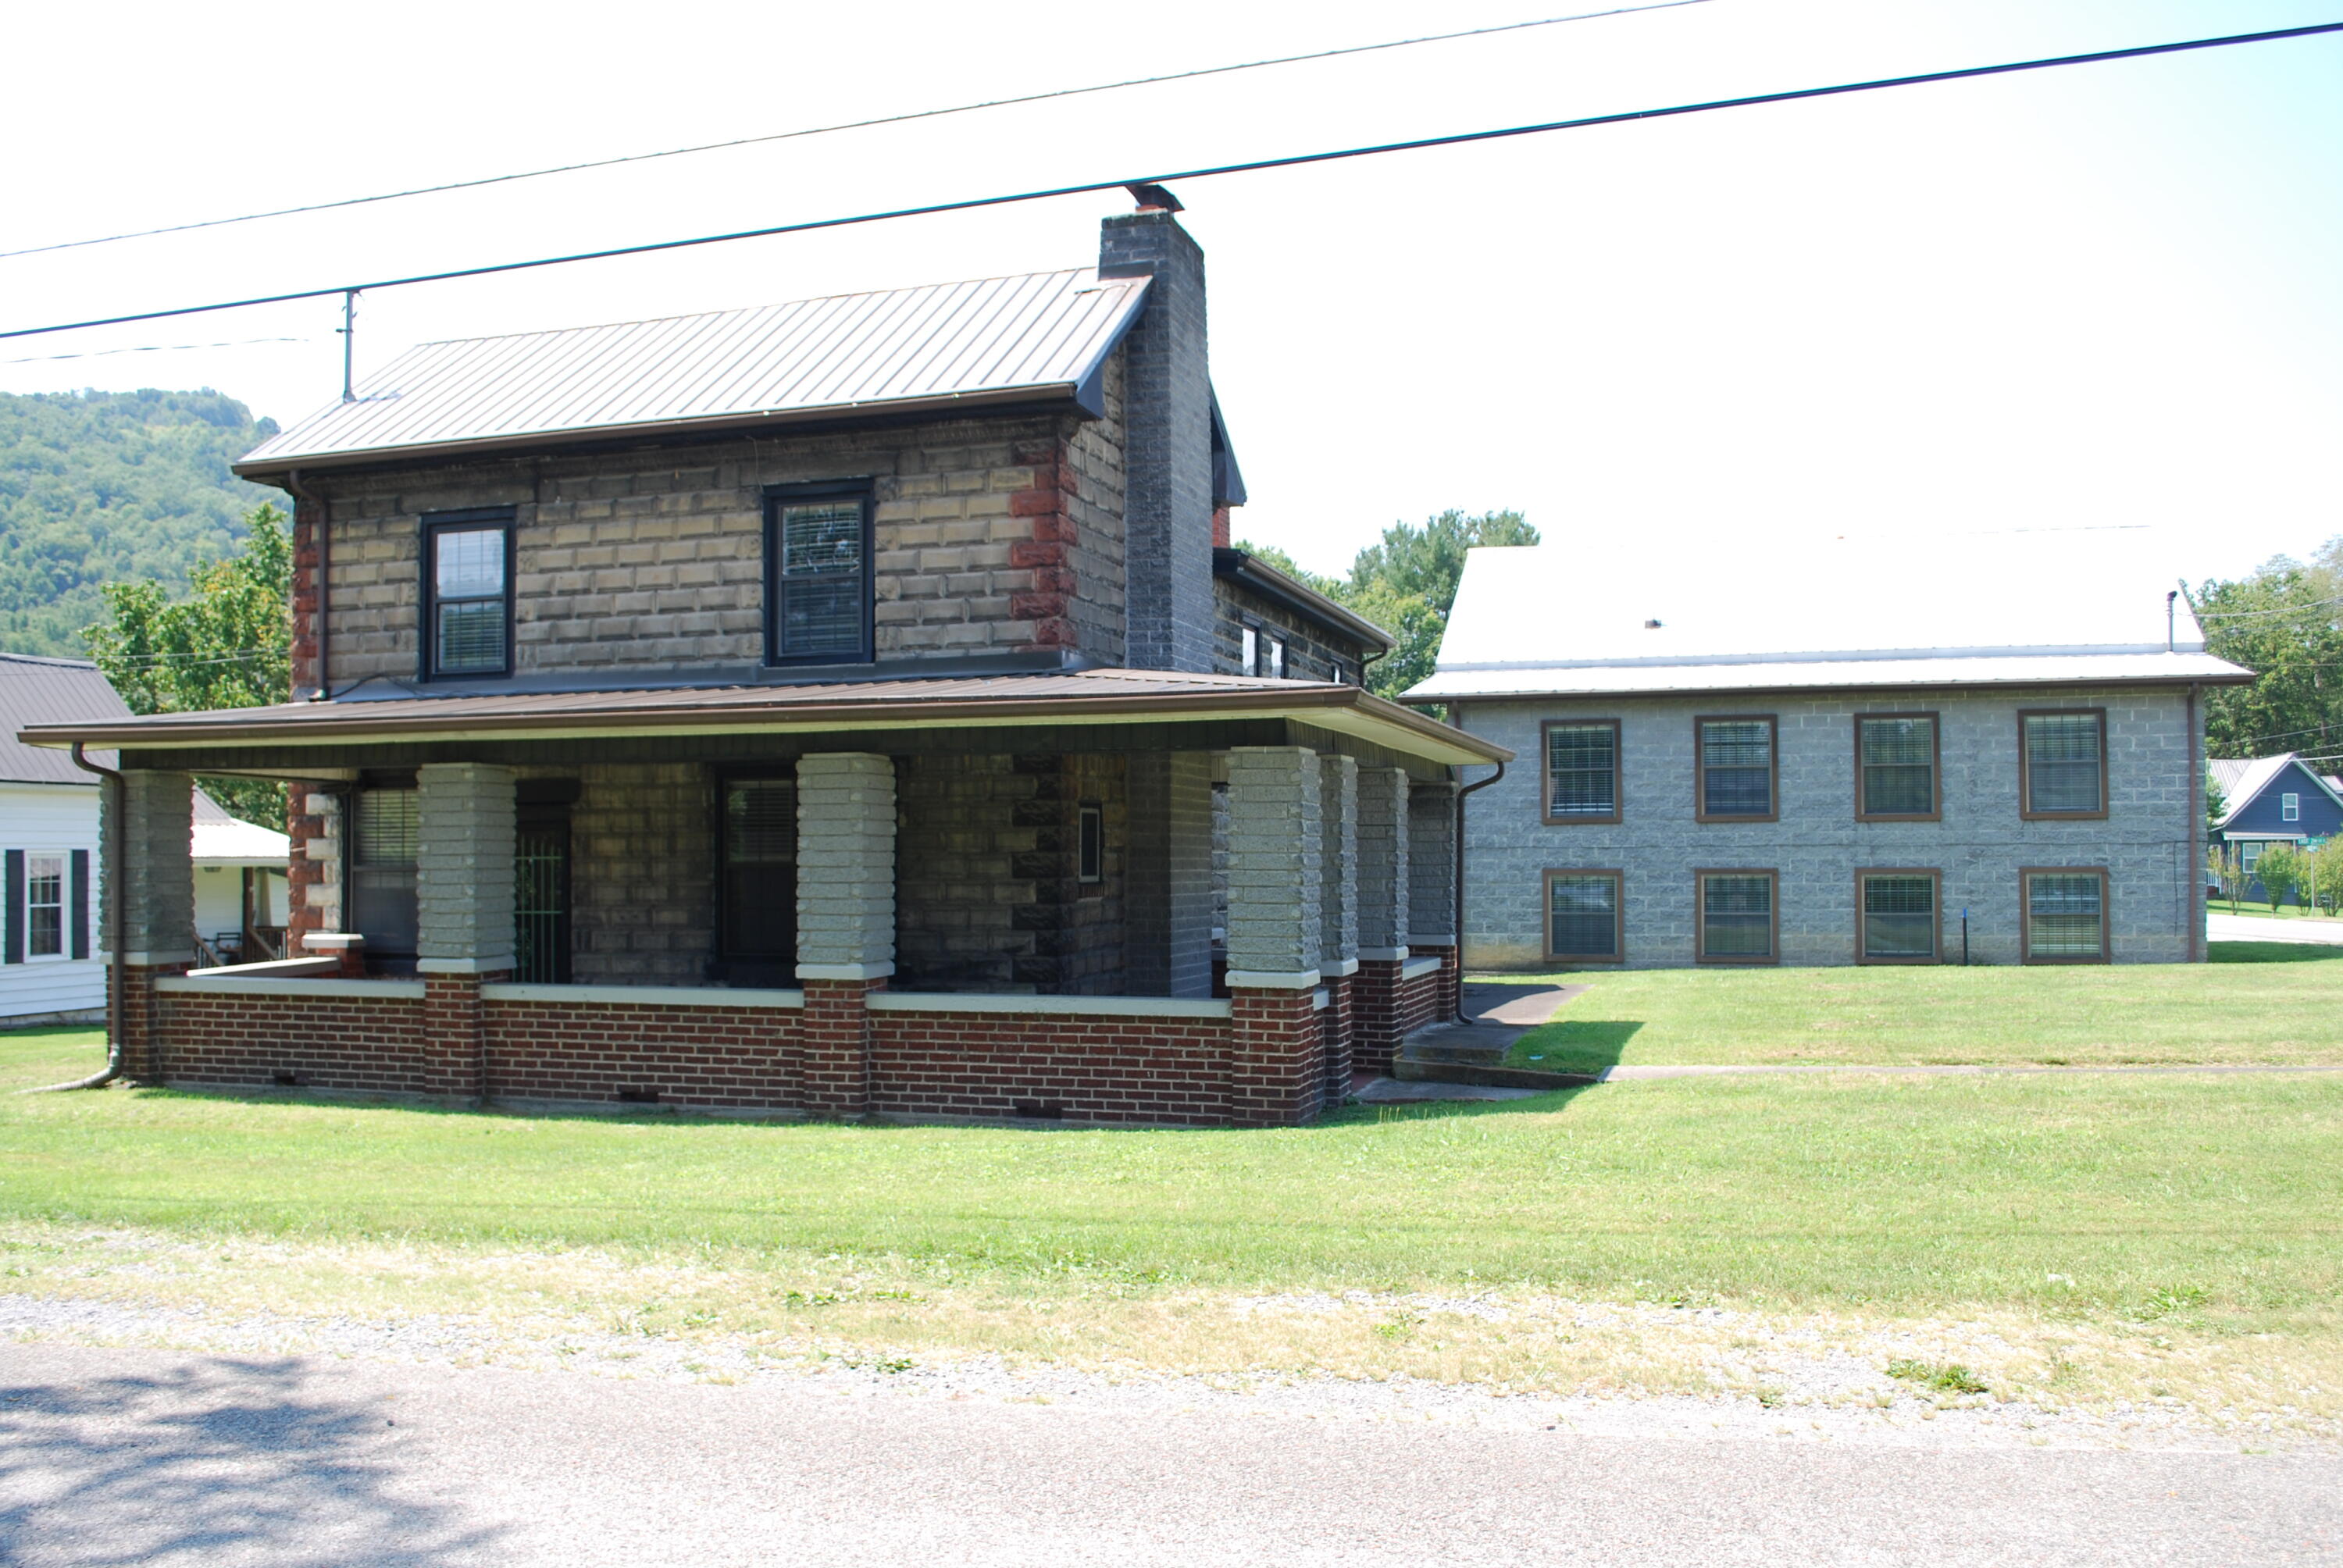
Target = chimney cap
(1155,199)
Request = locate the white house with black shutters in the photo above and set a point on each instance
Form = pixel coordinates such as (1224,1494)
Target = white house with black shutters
(1987,746)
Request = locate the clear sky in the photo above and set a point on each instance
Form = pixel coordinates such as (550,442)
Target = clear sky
(2100,297)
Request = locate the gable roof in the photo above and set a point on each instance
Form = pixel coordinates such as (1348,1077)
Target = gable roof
(221,839)
(35,691)
(1619,612)
(1043,335)
(2245,780)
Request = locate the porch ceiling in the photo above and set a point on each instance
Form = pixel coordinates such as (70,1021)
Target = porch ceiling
(1097,697)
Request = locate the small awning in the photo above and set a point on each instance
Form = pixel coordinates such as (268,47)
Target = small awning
(1095,697)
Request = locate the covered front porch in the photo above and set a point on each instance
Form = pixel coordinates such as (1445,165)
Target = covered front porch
(1197,899)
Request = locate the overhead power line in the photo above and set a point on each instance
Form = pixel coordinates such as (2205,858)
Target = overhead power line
(150,349)
(1256,166)
(2264,614)
(853,126)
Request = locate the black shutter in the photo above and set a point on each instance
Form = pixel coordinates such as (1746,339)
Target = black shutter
(15,912)
(77,909)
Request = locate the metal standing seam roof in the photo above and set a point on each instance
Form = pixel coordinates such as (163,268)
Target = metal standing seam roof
(35,691)
(2243,779)
(1075,697)
(1045,334)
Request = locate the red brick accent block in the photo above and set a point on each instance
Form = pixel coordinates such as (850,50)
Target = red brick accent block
(367,1044)
(455,1036)
(1103,1068)
(731,1058)
(144,1031)
(1446,995)
(1046,506)
(1276,1077)
(1375,1015)
(1335,1025)
(833,1077)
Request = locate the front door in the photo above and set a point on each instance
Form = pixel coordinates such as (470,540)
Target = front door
(541,896)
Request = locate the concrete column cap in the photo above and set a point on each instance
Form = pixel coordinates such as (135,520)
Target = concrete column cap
(1271,980)
(1383,955)
(845,971)
(1339,968)
(465,966)
(333,942)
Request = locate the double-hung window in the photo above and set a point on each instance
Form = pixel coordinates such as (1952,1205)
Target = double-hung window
(818,584)
(1737,917)
(1582,917)
(1898,913)
(1582,770)
(1896,767)
(2290,807)
(2064,914)
(2063,763)
(1736,769)
(45,906)
(388,836)
(467,593)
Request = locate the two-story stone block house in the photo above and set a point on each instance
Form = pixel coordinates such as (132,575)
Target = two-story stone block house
(1989,751)
(820,708)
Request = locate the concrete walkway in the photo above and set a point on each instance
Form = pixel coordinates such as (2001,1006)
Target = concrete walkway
(172,1459)
(1623,1074)
(2221,928)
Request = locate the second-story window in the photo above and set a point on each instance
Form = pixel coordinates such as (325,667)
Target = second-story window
(1896,765)
(1736,769)
(1582,770)
(817,575)
(2290,807)
(467,593)
(2063,763)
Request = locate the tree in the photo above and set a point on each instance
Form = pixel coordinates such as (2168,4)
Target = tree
(229,644)
(2216,802)
(2281,621)
(2279,868)
(2221,865)
(2324,875)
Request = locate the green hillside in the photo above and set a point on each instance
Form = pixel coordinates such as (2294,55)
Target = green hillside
(101,486)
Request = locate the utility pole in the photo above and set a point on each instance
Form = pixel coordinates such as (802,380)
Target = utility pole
(349,331)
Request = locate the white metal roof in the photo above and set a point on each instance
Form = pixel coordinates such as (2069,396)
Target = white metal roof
(220,839)
(1040,334)
(1628,614)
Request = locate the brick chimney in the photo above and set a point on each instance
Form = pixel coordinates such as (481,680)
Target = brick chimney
(1168,500)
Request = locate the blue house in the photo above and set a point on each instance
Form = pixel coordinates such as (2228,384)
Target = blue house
(2272,801)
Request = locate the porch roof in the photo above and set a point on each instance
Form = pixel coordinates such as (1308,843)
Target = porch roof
(1100,696)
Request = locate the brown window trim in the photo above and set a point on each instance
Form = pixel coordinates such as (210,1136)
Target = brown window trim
(1936,770)
(2025,913)
(1700,914)
(1937,903)
(1545,775)
(2026,787)
(1773,767)
(1619,912)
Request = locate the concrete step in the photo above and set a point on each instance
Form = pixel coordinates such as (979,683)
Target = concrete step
(1410,1070)
(1479,1045)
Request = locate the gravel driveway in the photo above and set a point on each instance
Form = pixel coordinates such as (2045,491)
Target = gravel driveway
(158,1457)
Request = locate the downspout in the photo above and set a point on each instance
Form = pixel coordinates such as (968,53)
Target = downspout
(325,571)
(1456,718)
(112,1069)
(2196,827)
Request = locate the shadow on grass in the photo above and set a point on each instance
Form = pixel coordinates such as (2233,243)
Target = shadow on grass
(216,1459)
(2272,953)
(1588,1045)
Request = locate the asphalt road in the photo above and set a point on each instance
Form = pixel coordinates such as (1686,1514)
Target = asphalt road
(116,1456)
(2222,928)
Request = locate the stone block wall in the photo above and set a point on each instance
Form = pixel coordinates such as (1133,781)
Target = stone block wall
(1171,902)
(144,828)
(2146,841)
(991,535)
(987,893)
(1276,860)
(464,865)
(1431,865)
(1312,652)
(642,881)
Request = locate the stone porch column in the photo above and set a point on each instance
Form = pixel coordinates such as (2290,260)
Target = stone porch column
(846,922)
(1338,922)
(145,845)
(1382,917)
(463,916)
(1276,914)
(1432,887)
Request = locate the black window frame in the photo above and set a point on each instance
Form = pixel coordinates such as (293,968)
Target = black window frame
(777,496)
(474,519)
(1089,843)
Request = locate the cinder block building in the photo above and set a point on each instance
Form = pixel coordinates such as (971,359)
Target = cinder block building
(824,708)
(1991,752)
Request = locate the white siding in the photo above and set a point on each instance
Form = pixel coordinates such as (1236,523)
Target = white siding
(52,819)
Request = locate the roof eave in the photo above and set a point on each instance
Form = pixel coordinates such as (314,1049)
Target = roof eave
(1267,580)
(268,470)
(1426,693)
(1346,709)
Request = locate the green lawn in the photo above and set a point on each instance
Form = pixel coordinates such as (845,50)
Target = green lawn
(2267,1002)
(2040,1193)
(2263,911)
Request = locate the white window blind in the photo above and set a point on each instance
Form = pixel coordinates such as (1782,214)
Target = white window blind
(1582,770)
(467,596)
(2064,915)
(1737,766)
(1899,916)
(817,581)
